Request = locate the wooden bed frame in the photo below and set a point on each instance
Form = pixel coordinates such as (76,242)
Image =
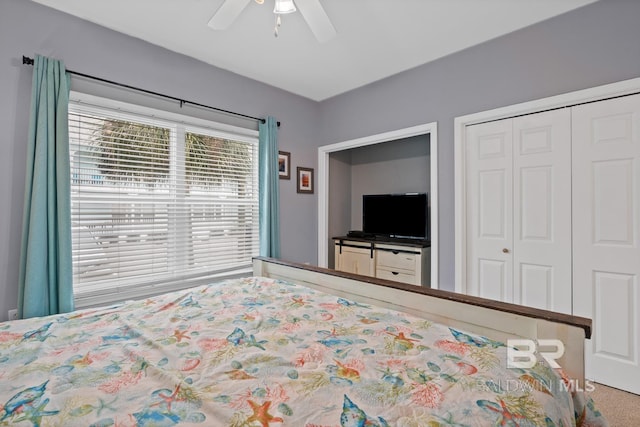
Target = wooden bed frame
(493,319)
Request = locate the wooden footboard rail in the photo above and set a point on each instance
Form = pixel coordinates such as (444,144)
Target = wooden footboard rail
(493,319)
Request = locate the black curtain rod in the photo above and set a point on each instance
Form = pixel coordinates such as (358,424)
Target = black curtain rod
(30,61)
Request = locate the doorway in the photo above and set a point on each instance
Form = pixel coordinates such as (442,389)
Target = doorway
(323,182)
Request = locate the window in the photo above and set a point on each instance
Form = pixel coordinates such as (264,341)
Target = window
(158,201)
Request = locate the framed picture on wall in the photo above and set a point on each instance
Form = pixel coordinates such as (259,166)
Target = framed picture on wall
(284,160)
(305,180)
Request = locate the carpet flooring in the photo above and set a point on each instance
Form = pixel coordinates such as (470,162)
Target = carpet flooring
(620,408)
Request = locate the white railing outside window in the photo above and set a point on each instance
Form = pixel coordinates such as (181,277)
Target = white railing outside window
(158,201)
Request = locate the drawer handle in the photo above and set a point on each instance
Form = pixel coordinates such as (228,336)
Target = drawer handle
(395,273)
(395,252)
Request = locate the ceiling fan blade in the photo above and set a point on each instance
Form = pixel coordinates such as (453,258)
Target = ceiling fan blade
(227,13)
(317,19)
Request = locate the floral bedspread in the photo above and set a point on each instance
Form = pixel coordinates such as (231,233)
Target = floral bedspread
(259,352)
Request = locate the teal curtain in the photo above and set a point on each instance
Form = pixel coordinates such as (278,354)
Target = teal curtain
(46,278)
(268,177)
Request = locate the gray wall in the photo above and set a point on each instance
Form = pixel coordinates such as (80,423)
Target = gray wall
(29,28)
(339,221)
(391,167)
(591,46)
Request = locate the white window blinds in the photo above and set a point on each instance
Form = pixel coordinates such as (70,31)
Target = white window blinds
(157,205)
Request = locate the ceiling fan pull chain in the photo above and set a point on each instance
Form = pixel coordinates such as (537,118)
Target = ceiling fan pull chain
(278,24)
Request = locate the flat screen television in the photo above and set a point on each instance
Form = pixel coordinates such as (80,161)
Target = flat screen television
(395,215)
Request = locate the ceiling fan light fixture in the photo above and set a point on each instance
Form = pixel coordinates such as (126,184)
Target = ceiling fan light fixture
(283,7)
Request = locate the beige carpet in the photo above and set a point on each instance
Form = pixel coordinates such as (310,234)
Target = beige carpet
(620,408)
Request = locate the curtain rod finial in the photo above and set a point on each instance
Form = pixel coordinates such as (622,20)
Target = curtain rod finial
(27,60)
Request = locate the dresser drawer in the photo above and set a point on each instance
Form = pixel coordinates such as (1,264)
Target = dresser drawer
(397,260)
(397,276)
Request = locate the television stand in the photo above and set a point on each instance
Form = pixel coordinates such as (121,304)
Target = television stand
(400,260)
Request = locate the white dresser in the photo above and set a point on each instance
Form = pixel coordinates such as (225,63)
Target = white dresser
(400,261)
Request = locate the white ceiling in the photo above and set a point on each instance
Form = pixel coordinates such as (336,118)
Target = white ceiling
(375,38)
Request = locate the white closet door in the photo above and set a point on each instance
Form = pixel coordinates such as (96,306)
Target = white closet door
(489,218)
(606,224)
(542,210)
(519,210)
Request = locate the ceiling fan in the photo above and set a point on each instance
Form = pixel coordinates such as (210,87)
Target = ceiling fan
(311,10)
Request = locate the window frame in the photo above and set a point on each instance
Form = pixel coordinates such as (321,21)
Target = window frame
(180,124)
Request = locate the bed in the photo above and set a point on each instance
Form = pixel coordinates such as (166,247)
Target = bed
(292,346)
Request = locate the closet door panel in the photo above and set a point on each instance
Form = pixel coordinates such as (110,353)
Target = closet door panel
(613,210)
(535,285)
(606,238)
(489,216)
(542,210)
